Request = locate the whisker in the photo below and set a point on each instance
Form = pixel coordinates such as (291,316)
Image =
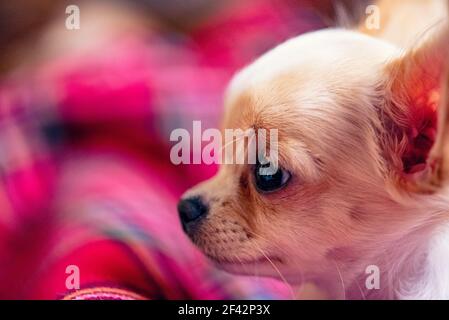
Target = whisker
(301,276)
(279,273)
(360,289)
(231,142)
(264,239)
(341,278)
(236,141)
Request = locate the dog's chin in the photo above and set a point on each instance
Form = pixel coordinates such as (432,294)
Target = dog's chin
(259,266)
(272,267)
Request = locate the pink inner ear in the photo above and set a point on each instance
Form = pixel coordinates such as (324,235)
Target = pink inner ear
(422,133)
(416,90)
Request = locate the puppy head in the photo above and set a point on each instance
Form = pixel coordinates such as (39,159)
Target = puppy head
(356,122)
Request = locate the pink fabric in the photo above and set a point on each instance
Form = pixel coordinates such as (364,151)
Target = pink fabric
(86,178)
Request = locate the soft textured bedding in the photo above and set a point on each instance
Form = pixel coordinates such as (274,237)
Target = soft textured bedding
(87,192)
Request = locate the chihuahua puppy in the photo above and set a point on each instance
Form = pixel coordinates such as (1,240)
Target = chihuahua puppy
(359,203)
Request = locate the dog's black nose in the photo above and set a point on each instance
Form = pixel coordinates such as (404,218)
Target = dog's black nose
(191,210)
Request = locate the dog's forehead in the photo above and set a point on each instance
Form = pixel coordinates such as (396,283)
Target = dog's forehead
(311,71)
(317,60)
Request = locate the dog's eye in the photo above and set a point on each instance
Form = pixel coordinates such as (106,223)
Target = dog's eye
(269,180)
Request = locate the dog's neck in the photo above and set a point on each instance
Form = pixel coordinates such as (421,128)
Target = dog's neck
(412,264)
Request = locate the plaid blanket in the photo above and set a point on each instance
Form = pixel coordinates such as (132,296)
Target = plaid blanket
(85,178)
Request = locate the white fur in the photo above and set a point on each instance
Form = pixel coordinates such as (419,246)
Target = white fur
(307,50)
(432,281)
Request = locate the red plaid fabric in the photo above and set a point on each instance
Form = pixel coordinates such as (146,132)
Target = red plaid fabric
(85,176)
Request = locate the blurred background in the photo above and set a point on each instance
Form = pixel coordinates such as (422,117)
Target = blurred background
(85,121)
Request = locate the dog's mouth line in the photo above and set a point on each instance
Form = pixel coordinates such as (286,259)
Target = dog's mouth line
(246,261)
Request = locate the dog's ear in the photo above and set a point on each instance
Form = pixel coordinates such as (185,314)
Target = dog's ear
(414,117)
(440,151)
